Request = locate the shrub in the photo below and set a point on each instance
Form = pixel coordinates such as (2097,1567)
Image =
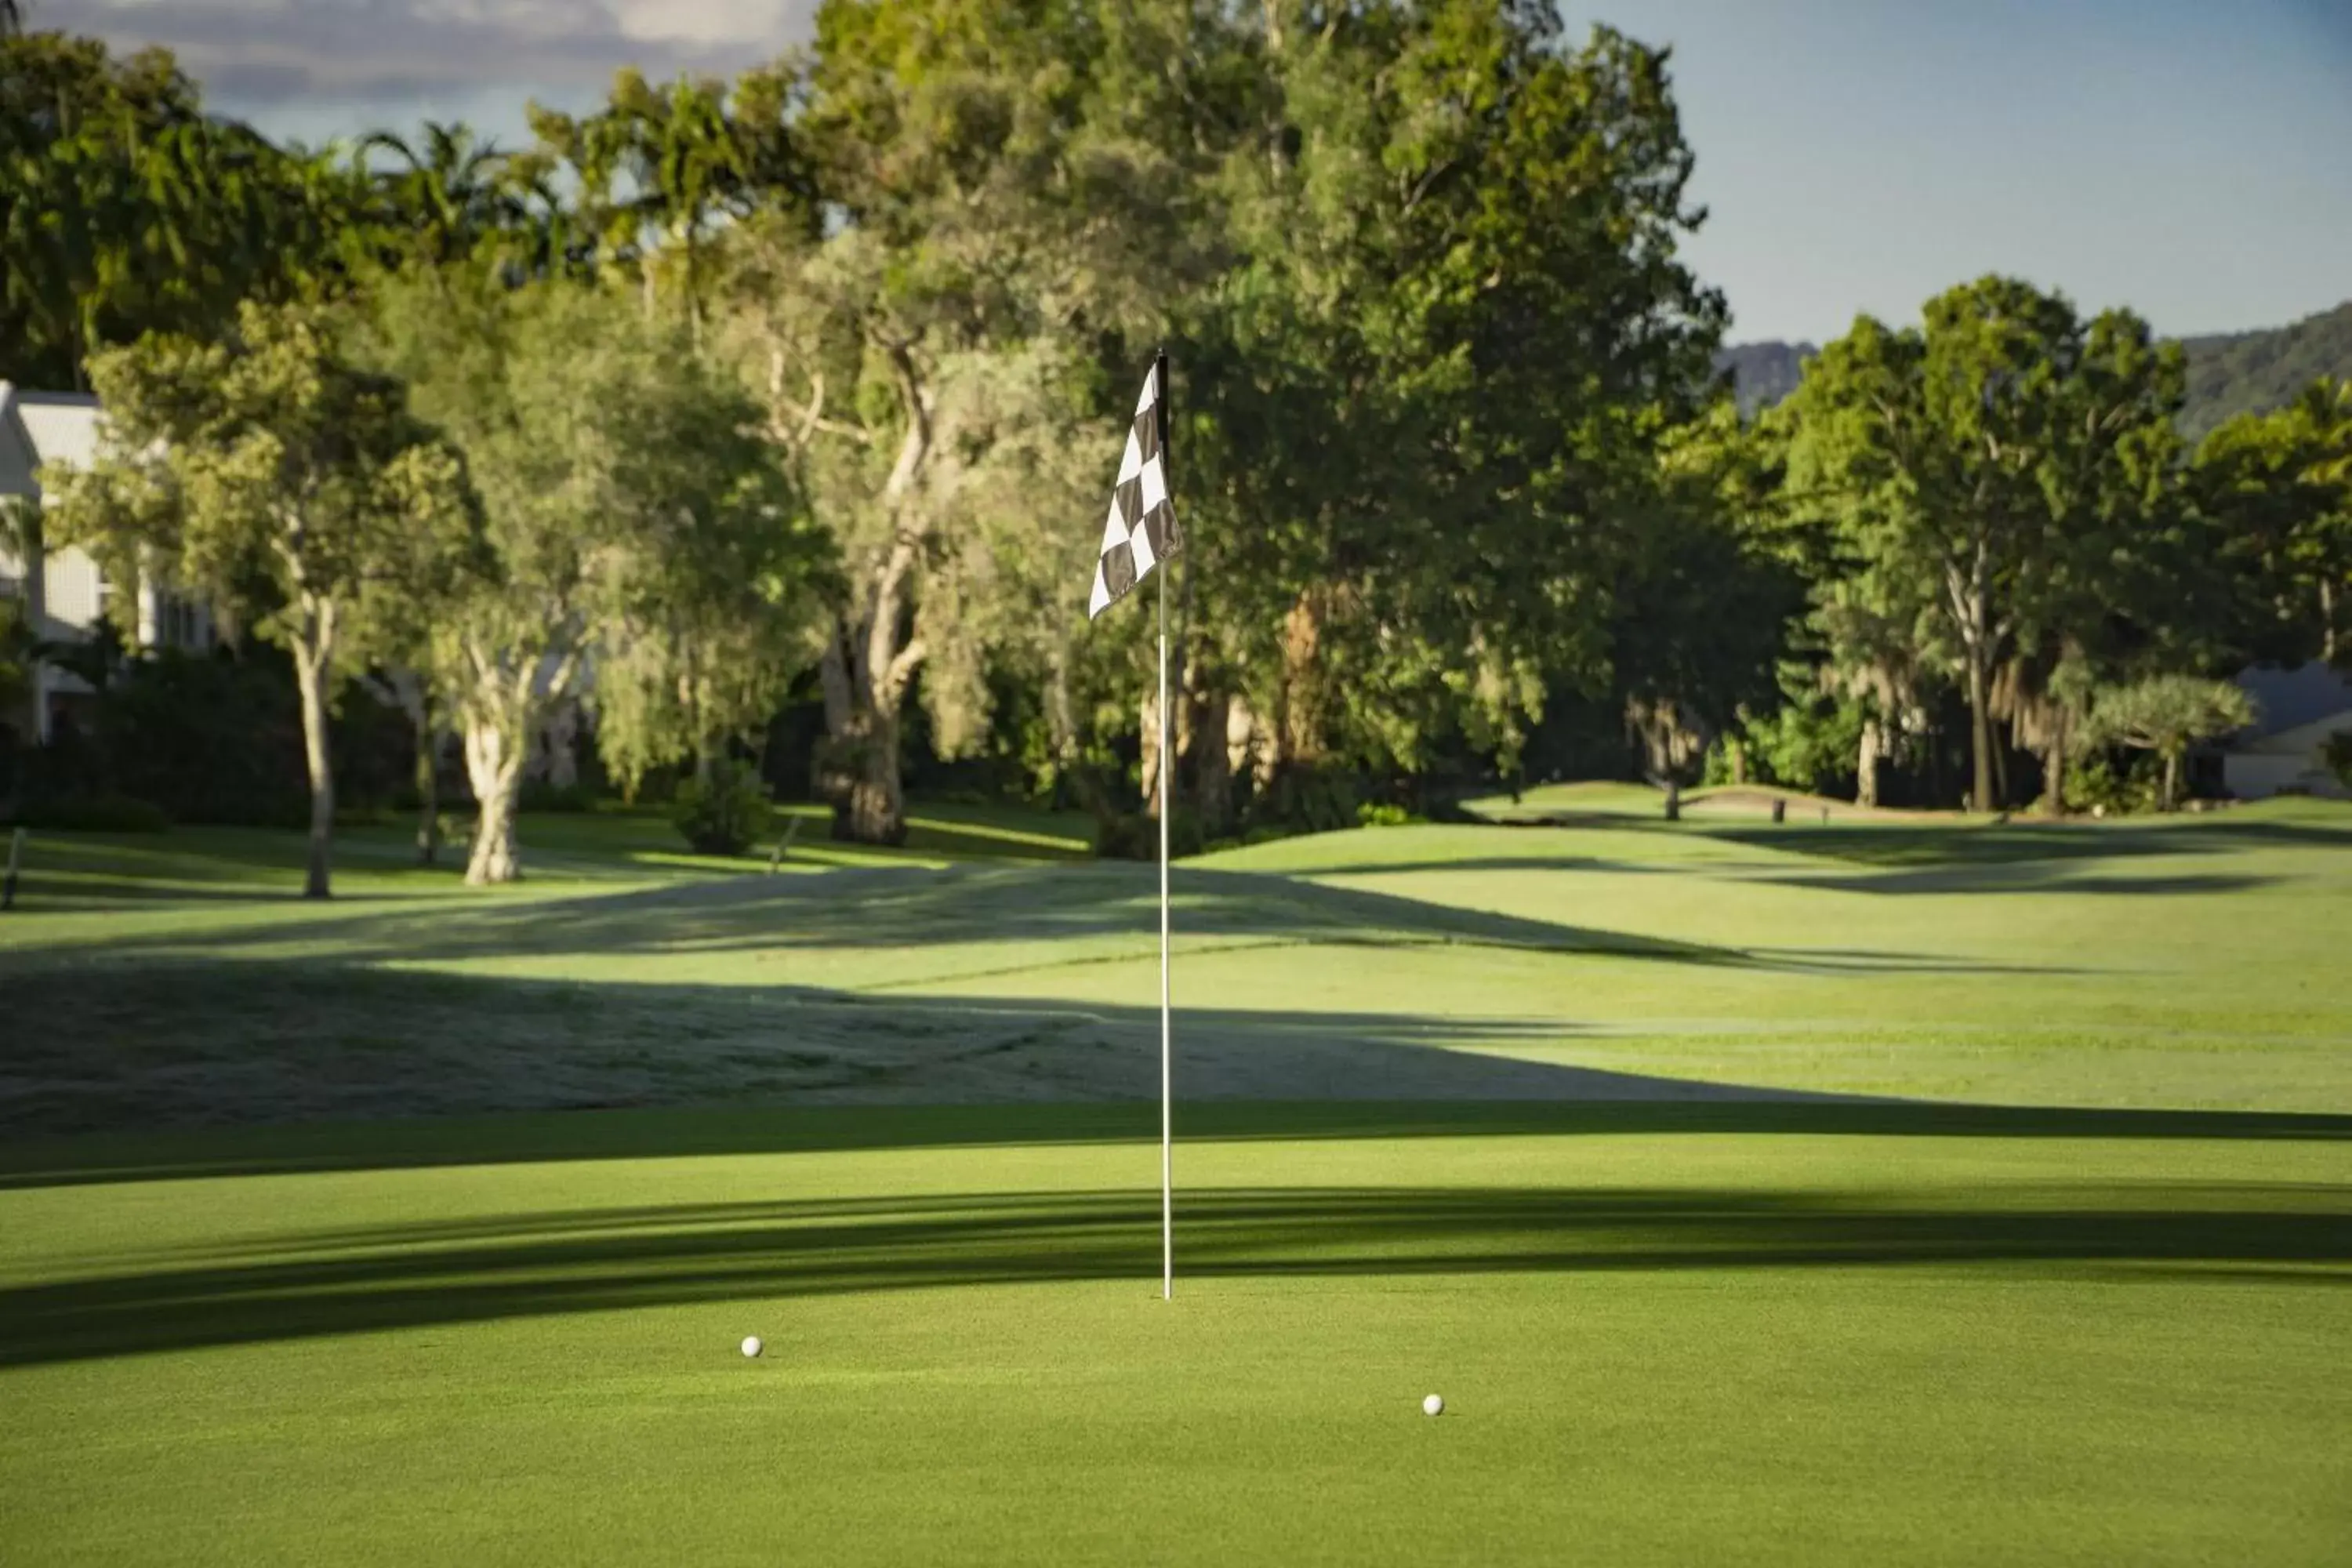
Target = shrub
(1378,813)
(724,814)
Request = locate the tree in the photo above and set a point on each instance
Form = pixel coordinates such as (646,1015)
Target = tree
(661,171)
(125,208)
(269,473)
(1989,481)
(994,210)
(446,194)
(2277,490)
(1429,389)
(2167,714)
(648,549)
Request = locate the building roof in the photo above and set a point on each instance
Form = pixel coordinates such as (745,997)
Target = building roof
(38,428)
(2293,698)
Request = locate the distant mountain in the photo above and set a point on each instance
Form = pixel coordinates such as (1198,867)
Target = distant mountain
(1763,373)
(2228,373)
(2253,373)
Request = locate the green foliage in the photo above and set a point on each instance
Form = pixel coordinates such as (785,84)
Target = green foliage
(268,472)
(723,811)
(2276,492)
(2167,714)
(2338,754)
(1999,489)
(2096,784)
(1809,742)
(126,208)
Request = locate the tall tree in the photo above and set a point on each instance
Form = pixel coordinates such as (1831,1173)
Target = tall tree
(1430,389)
(269,474)
(994,208)
(1977,472)
(649,551)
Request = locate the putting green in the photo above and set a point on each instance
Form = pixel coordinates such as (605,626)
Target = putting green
(1789,1333)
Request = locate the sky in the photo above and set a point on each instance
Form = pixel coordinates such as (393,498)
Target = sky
(2190,159)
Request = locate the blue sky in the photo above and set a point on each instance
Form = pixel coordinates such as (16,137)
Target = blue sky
(2192,161)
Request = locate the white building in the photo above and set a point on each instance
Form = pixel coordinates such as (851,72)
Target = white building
(2296,712)
(63,592)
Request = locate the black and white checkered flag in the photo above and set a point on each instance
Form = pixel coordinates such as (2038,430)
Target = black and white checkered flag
(1141,530)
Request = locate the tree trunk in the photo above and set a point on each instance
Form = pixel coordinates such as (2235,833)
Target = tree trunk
(1299,719)
(2054,788)
(428,788)
(2328,642)
(857,765)
(1865,767)
(1210,760)
(1673,801)
(1738,748)
(494,760)
(1979,735)
(311,677)
(2172,780)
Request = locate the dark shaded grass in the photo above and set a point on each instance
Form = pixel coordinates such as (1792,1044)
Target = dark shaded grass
(404,1276)
(663,1134)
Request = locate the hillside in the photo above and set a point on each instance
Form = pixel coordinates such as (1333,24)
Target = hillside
(2252,372)
(2229,372)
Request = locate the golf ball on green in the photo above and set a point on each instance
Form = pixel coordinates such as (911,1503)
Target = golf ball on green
(751,1344)
(1431,1405)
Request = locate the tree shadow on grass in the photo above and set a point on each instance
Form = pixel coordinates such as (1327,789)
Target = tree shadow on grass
(155,1045)
(906,908)
(1649,1107)
(2021,877)
(396,1277)
(1919,846)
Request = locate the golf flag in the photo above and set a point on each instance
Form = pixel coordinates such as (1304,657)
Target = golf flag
(1140,533)
(1141,530)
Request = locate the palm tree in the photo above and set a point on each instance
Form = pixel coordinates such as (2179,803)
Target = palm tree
(449,193)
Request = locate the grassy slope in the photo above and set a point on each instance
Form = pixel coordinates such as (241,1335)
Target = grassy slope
(1791,1333)
(2195,962)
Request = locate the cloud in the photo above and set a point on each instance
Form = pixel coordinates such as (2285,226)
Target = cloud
(265,54)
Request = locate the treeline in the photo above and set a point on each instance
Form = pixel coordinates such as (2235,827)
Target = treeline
(804,389)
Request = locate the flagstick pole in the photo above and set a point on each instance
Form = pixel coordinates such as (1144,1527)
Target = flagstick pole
(1167,1117)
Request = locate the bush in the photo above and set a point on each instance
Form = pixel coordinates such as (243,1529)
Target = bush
(107,812)
(1377,814)
(725,813)
(2096,785)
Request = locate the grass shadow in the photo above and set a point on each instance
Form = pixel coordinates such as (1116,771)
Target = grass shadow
(397,1276)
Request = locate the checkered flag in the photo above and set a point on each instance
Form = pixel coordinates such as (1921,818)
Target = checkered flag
(1141,530)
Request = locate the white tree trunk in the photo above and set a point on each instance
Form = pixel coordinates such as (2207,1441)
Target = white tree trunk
(494,760)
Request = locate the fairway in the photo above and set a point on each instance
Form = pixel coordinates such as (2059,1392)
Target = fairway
(1868,1192)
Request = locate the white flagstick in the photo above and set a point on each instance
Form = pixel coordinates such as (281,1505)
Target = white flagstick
(1167,1119)
(1167,1086)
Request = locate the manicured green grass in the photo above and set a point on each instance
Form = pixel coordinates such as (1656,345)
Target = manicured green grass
(2196,962)
(1711,1330)
(1771,1335)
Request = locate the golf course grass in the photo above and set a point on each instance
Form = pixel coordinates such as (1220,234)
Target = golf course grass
(1850,1192)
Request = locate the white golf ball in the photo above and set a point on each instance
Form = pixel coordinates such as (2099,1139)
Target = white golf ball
(751,1344)
(1431,1405)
